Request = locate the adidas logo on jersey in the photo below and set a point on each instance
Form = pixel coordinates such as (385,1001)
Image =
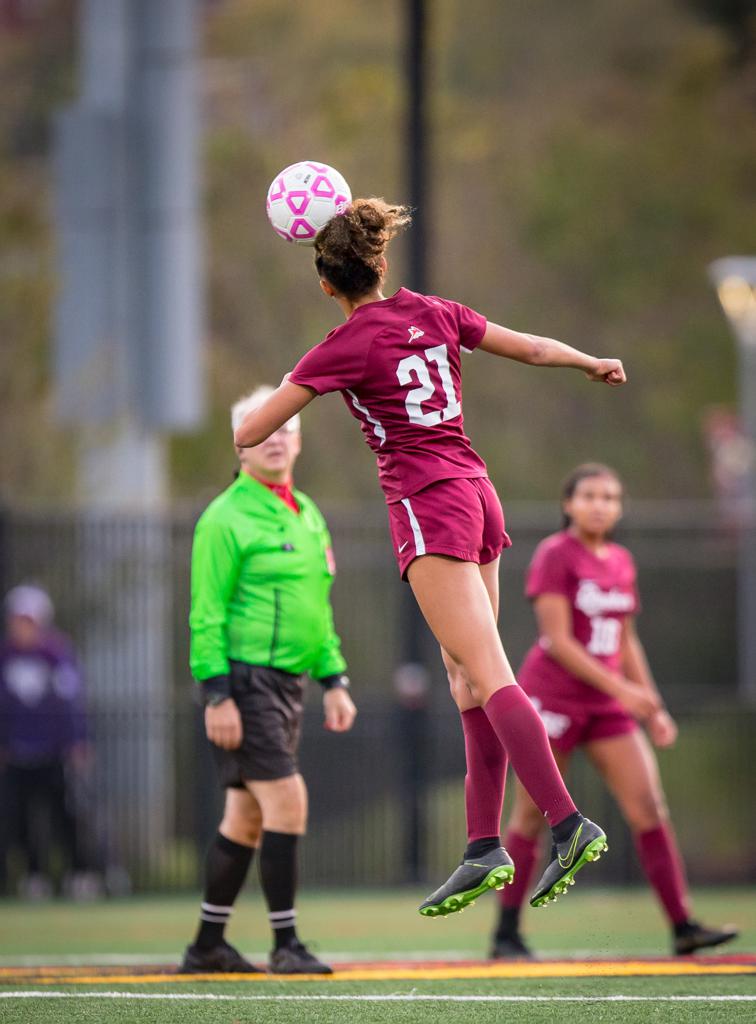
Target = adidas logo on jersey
(415,333)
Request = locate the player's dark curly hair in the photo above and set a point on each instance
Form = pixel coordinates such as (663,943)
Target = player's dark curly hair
(348,249)
(585,471)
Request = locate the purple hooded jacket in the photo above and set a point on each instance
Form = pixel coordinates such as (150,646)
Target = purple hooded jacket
(42,712)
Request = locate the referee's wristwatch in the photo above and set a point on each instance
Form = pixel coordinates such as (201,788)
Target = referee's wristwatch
(215,690)
(338,681)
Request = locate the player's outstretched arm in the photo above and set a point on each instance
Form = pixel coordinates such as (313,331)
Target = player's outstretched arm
(286,401)
(538,351)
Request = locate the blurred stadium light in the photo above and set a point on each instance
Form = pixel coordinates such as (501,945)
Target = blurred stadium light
(129,315)
(735,280)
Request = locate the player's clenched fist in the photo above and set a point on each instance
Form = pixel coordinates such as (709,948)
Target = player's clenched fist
(608,371)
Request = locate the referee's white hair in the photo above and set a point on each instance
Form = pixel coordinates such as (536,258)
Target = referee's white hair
(253,401)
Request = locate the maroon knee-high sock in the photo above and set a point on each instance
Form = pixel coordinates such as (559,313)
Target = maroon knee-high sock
(524,853)
(523,735)
(661,861)
(486,774)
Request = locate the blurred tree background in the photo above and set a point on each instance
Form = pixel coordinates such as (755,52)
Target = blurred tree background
(588,160)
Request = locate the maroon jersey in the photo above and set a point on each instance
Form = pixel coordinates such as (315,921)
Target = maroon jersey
(601,592)
(396,363)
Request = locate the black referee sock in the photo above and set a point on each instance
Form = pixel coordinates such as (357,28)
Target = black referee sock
(278,878)
(226,868)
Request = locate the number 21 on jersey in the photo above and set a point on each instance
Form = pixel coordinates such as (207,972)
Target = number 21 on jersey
(416,367)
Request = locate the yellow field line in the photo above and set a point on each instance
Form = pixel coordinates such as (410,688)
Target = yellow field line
(562,969)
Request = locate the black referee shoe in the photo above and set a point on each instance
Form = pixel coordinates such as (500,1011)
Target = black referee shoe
(689,937)
(473,877)
(586,843)
(295,958)
(510,947)
(220,959)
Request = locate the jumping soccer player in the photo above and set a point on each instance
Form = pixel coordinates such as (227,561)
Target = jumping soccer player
(396,362)
(589,678)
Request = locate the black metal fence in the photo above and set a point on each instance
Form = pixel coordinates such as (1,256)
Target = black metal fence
(120,584)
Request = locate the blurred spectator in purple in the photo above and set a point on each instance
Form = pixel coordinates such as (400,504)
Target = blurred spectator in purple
(44,749)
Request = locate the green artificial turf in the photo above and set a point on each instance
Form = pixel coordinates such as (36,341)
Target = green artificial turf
(366,1011)
(605,923)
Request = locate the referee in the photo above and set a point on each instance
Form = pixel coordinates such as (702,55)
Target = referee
(262,568)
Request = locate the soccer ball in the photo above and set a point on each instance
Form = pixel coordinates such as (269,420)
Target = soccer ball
(303,198)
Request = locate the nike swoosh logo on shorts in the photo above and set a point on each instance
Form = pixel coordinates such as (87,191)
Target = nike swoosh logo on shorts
(403,546)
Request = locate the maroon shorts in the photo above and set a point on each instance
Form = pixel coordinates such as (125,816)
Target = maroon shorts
(569,724)
(461,518)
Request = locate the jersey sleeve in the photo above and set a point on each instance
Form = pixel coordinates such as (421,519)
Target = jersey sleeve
(471,325)
(548,573)
(335,364)
(215,569)
(329,661)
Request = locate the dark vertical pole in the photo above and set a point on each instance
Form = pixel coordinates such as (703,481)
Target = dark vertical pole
(417,185)
(417,143)
(413,733)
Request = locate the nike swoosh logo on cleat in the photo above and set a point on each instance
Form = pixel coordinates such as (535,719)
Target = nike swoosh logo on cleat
(567,861)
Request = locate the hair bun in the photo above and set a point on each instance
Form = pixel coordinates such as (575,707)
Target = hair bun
(350,247)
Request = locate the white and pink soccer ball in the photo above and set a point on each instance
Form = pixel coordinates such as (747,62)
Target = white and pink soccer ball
(303,198)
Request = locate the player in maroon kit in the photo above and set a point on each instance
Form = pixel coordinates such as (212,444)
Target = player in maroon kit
(396,362)
(589,678)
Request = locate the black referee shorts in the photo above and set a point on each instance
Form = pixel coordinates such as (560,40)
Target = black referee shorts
(270,702)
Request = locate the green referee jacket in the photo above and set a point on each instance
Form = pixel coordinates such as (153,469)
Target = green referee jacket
(261,578)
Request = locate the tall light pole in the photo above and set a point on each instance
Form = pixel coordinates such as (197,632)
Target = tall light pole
(735,280)
(128,339)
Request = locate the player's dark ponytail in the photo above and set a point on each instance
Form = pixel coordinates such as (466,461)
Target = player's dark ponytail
(585,471)
(348,250)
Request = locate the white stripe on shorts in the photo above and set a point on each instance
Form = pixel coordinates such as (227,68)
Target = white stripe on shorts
(417,533)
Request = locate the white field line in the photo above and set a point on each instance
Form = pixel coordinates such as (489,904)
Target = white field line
(378,998)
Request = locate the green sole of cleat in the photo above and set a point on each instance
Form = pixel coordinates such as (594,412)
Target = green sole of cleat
(495,879)
(591,853)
